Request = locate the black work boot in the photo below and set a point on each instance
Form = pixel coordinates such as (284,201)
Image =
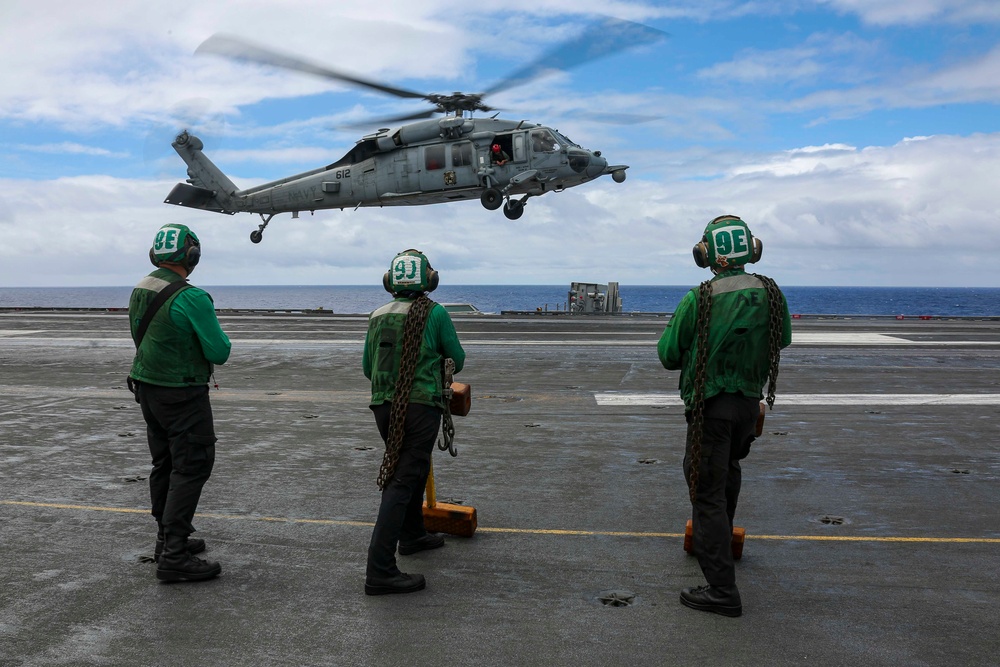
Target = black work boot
(723,600)
(194,546)
(177,564)
(428,541)
(398,583)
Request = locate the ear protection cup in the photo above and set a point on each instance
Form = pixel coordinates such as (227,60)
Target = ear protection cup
(386,283)
(758,250)
(700,252)
(193,254)
(432,279)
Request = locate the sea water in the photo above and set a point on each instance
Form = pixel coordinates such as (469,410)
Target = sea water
(908,301)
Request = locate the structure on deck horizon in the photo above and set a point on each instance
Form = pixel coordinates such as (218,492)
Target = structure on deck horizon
(587,298)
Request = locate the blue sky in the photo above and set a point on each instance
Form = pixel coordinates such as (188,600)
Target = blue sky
(860,139)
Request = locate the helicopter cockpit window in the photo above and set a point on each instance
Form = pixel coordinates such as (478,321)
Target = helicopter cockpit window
(542,141)
(433,157)
(566,141)
(361,152)
(579,160)
(461,154)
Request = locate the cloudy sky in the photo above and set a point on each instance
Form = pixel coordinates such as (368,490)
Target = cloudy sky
(860,139)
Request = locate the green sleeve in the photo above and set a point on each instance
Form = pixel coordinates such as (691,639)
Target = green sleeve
(366,361)
(678,337)
(196,307)
(447,337)
(786,324)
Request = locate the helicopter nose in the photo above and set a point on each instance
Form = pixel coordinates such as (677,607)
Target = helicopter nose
(597,165)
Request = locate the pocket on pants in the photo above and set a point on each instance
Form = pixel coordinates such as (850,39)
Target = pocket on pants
(195,453)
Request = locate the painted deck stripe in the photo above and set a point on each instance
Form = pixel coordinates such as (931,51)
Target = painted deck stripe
(521,531)
(623,399)
(608,399)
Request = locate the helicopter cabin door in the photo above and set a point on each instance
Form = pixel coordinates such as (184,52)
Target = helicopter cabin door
(519,154)
(368,183)
(462,160)
(447,166)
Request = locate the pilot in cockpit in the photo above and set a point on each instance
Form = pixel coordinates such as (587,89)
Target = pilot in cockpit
(542,142)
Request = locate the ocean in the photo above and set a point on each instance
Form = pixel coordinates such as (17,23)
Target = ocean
(906,301)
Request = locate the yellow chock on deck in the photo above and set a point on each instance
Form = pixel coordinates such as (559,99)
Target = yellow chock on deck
(739,536)
(446,517)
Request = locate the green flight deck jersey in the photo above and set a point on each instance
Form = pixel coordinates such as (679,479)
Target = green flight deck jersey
(738,340)
(384,347)
(184,339)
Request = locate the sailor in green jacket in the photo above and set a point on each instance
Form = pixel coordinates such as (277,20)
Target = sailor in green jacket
(407,342)
(178,340)
(725,337)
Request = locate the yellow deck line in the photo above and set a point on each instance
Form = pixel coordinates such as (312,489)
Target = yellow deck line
(523,531)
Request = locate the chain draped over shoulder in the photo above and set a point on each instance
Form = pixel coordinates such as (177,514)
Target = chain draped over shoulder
(413,336)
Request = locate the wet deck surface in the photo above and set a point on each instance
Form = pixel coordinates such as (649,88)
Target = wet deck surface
(870,504)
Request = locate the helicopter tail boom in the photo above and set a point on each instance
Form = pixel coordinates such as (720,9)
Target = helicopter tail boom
(207,187)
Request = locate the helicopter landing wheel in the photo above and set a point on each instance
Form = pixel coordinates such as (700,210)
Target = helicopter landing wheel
(258,234)
(491,199)
(513,210)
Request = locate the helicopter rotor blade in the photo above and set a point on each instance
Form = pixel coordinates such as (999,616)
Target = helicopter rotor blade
(601,39)
(380,122)
(234,47)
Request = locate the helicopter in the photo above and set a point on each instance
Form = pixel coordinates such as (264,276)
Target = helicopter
(456,157)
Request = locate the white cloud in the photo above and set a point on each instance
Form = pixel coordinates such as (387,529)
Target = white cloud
(911,12)
(911,213)
(972,81)
(781,65)
(70,148)
(825,148)
(828,57)
(135,59)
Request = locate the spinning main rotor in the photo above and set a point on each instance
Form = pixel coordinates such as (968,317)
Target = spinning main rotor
(603,38)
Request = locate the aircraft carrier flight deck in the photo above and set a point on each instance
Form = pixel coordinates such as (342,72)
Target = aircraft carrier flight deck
(870,502)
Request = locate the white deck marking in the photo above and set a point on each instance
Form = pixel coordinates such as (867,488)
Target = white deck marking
(847,338)
(623,399)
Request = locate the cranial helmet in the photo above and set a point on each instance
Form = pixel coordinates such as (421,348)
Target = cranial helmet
(175,244)
(496,148)
(727,243)
(410,271)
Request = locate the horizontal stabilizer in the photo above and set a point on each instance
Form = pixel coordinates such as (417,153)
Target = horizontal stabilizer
(191,196)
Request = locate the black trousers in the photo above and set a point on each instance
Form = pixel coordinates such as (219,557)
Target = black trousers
(400,514)
(728,431)
(181,436)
